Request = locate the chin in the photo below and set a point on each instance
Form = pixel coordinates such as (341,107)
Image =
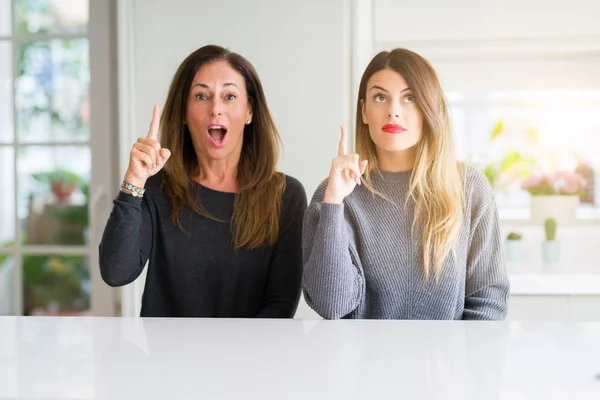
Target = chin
(217,154)
(395,145)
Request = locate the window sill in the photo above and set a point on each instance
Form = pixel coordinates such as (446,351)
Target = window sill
(586,216)
(560,279)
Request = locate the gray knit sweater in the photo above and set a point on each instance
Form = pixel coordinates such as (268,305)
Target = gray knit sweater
(359,261)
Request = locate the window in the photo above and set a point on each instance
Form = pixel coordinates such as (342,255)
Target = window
(45,156)
(515,134)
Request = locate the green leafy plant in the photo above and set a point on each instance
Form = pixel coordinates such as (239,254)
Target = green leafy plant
(60,181)
(550,229)
(57,281)
(61,281)
(514,236)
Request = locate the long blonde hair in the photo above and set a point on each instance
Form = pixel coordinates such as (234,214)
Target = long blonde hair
(257,204)
(436,184)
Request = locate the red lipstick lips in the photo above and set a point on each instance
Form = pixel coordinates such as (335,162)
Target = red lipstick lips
(393,128)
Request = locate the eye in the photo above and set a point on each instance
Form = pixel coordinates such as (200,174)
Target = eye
(379,98)
(200,96)
(409,98)
(230,97)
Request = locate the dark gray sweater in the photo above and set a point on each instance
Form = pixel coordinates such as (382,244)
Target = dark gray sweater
(359,261)
(197,273)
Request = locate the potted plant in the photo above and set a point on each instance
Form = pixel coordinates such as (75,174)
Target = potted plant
(55,285)
(62,183)
(555,196)
(550,247)
(513,246)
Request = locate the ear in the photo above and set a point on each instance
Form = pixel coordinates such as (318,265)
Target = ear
(249,115)
(363,111)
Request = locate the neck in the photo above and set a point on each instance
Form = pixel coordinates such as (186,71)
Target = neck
(218,175)
(396,161)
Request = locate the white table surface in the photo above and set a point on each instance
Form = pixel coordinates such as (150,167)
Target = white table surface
(135,358)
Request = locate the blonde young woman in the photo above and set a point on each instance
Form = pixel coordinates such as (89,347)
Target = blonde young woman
(407,232)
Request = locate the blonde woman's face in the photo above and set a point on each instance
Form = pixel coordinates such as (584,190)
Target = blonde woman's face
(395,121)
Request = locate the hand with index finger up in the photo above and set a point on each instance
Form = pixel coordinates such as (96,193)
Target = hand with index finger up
(147,157)
(345,173)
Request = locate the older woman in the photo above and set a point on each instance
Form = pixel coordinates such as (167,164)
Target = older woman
(220,227)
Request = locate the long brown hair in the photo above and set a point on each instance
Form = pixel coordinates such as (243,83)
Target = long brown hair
(436,184)
(257,203)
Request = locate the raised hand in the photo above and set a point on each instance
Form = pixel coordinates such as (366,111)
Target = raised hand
(345,173)
(147,157)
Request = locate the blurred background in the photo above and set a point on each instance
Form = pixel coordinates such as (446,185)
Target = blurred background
(78,80)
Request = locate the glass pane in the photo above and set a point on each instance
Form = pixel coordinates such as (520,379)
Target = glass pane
(7,196)
(51,16)
(56,285)
(6,92)
(5,18)
(7,267)
(514,135)
(53,194)
(52,91)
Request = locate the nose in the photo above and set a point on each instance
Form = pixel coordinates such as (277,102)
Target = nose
(216,108)
(394,110)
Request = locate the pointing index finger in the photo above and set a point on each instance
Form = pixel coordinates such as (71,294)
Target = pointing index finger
(342,147)
(153,131)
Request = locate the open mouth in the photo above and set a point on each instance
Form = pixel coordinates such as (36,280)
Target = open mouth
(217,134)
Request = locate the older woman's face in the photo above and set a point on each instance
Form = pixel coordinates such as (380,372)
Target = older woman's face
(217,111)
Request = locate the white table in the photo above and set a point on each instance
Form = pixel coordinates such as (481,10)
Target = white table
(122,358)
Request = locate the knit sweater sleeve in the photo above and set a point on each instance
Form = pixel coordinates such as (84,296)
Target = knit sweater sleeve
(333,282)
(126,241)
(487,284)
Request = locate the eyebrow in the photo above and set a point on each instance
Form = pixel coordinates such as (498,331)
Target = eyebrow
(387,91)
(204,85)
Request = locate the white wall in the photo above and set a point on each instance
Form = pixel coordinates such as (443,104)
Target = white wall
(503,44)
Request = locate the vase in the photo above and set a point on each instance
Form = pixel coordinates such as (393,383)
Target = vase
(562,208)
(550,251)
(513,250)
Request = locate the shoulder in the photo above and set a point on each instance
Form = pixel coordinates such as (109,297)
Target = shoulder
(476,183)
(479,195)
(294,195)
(293,187)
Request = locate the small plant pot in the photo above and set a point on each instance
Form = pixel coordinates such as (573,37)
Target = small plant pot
(513,250)
(551,251)
(62,191)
